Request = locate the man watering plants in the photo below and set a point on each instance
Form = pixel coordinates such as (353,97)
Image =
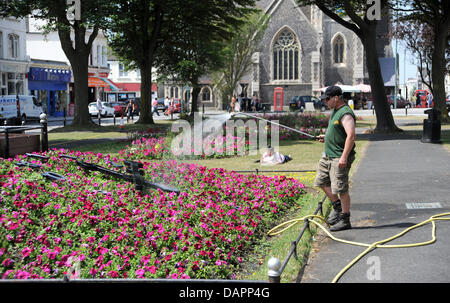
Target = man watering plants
(334,166)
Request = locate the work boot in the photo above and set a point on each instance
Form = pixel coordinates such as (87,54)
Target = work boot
(334,214)
(342,223)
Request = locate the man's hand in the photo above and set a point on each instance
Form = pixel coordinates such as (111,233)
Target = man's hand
(342,162)
(321,138)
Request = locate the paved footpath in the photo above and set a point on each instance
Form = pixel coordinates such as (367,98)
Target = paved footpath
(395,177)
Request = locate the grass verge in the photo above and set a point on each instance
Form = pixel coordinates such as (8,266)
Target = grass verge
(278,246)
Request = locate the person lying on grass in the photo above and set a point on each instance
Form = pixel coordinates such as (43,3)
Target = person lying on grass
(270,157)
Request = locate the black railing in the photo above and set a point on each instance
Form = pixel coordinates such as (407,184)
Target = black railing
(135,174)
(275,267)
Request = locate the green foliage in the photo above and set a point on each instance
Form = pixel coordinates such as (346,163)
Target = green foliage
(238,53)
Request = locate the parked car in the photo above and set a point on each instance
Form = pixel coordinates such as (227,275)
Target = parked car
(107,109)
(176,106)
(401,102)
(119,108)
(299,103)
(160,104)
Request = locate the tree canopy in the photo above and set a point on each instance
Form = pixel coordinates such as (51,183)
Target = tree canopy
(431,43)
(182,35)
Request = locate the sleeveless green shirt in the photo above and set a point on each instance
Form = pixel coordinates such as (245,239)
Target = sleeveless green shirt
(336,135)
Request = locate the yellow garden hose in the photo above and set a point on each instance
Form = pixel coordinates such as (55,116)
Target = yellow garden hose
(288,224)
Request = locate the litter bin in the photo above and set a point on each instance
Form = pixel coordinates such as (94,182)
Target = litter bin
(432,127)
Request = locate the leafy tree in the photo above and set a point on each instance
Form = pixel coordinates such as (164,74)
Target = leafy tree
(76,38)
(353,16)
(239,55)
(186,30)
(418,38)
(433,15)
(134,34)
(196,46)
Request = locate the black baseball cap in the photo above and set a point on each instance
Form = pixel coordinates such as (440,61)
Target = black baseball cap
(331,91)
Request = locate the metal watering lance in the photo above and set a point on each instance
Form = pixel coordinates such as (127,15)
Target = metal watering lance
(284,126)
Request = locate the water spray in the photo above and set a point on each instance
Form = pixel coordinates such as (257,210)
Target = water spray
(284,126)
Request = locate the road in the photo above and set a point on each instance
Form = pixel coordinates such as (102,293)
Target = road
(59,121)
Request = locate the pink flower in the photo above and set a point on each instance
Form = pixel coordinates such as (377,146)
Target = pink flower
(113,274)
(26,252)
(220,262)
(140,273)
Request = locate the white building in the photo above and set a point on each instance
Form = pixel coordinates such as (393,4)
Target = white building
(47,55)
(14,62)
(126,84)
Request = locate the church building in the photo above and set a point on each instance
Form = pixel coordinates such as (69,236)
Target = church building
(301,51)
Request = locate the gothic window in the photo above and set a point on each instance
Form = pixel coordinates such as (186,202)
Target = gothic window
(205,94)
(286,57)
(338,49)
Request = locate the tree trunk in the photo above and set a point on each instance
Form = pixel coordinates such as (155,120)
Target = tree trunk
(78,57)
(385,120)
(194,105)
(145,106)
(439,69)
(80,75)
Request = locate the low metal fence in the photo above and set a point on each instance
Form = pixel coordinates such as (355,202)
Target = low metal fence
(276,268)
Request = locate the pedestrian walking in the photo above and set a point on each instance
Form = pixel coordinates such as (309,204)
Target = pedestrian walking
(99,106)
(166,105)
(339,154)
(233,103)
(430,100)
(155,107)
(129,109)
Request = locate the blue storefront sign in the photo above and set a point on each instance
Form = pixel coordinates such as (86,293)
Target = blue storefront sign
(51,85)
(48,74)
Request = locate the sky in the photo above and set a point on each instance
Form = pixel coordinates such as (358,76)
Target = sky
(406,68)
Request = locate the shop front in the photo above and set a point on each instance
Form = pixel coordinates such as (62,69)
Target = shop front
(121,92)
(13,77)
(97,83)
(50,86)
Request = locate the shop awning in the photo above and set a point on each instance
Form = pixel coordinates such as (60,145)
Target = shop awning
(112,86)
(345,88)
(128,87)
(96,82)
(365,88)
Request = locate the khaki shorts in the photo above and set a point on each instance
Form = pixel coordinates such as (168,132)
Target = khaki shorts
(329,174)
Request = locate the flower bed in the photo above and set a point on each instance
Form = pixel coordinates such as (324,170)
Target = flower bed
(113,231)
(151,148)
(311,123)
(151,145)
